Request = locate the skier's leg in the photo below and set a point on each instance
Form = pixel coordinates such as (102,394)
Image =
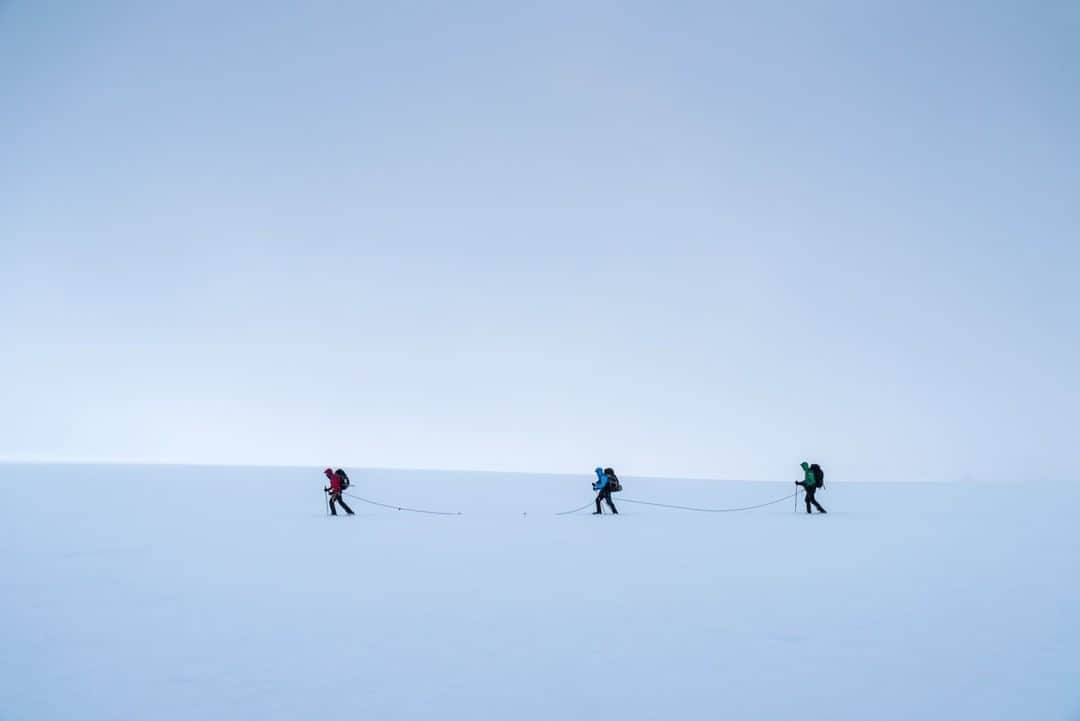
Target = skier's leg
(809,498)
(607,497)
(334,498)
(345,505)
(598,497)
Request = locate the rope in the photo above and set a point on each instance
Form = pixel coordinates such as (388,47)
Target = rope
(582,508)
(710,510)
(567,513)
(687,508)
(402,508)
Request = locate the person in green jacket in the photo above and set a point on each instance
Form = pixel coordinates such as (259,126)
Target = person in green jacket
(809,483)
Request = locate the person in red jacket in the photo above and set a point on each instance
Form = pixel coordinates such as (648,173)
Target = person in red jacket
(334,489)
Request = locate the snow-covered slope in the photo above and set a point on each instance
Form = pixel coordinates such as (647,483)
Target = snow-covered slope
(178,593)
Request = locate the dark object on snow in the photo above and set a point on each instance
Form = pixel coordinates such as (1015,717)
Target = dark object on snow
(613,483)
(819,475)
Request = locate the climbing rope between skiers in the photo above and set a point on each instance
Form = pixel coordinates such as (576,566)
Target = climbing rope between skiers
(606,483)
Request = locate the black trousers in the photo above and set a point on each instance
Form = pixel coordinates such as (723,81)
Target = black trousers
(605,495)
(810,500)
(336,498)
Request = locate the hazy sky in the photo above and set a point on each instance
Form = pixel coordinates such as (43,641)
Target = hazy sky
(677,238)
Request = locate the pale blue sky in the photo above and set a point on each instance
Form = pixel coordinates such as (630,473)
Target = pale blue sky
(677,238)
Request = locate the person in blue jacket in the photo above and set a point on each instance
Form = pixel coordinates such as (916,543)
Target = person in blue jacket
(603,484)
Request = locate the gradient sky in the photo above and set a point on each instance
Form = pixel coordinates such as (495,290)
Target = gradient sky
(701,239)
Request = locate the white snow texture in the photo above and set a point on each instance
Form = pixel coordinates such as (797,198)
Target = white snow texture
(135,593)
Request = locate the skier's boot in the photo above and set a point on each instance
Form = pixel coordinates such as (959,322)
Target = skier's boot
(597,513)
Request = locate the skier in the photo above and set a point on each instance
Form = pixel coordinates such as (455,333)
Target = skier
(810,484)
(603,484)
(334,489)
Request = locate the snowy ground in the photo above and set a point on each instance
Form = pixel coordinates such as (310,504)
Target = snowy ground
(146,594)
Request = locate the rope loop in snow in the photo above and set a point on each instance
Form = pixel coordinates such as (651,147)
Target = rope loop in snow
(688,508)
(401,508)
(710,510)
